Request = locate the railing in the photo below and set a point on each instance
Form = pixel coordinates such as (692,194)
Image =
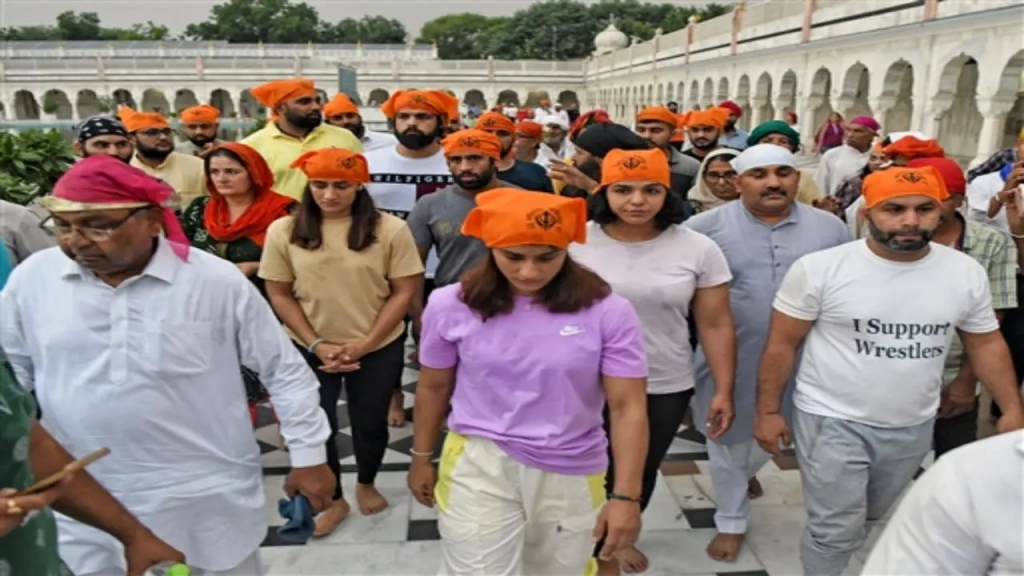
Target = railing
(181,49)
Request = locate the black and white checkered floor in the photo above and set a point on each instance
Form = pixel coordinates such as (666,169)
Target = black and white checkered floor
(404,540)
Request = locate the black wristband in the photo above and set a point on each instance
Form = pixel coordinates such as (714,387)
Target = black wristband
(623,497)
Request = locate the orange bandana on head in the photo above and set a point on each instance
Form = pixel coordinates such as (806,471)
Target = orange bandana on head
(334,164)
(495,122)
(658,114)
(202,114)
(436,102)
(635,166)
(529,129)
(134,121)
(885,185)
(272,94)
(340,104)
(472,142)
(506,217)
(714,117)
(911,147)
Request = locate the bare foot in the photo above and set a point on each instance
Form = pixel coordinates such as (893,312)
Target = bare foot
(370,500)
(754,489)
(608,568)
(725,547)
(396,414)
(632,561)
(329,519)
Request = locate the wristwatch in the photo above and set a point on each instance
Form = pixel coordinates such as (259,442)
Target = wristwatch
(623,497)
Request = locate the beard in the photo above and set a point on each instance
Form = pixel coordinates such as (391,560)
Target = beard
(591,169)
(304,121)
(889,240)
(730,126)
(705,144)
(413,139)
(152,153)
(357,130)
(201,141)
(473,182)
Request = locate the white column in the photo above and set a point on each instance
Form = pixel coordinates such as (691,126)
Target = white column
(994,111)
(880,107)
(759,117)
(937,106)
(780,105)
(807,107)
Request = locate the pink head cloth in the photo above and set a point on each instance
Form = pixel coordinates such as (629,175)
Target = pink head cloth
(867,122)
(105,181)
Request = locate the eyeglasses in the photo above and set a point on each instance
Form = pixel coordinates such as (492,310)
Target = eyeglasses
(157,132)
(716,178)
(91,233)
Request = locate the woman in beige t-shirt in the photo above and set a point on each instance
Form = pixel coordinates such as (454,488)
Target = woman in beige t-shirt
(341,276)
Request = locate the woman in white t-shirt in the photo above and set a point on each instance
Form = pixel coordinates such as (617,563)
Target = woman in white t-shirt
(635,244)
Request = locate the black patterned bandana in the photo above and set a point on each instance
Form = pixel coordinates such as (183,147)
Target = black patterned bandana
(101,125)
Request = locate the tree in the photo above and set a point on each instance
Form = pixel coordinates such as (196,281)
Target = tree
(462,36)
(73,27)
(251,21)
(368,30)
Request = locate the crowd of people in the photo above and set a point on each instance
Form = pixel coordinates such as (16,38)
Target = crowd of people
(574,289)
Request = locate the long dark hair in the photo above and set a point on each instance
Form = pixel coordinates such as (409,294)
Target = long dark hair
(486,290)
(308,230)
(672,212)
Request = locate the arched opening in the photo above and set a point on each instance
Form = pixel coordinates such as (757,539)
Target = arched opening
(708,97)
(57,104)
(743,99)
(184,99)
(506,97)
(787,93)
(88,104)
(25,106)
(221,100)
(323,96)
(475,98)
(694,100)
(660,98)
(153,100)
(533,98)
(3,112)
(377,97)
(670,93)
(569,100)
(723,90)
(1011,83)
(960,126)
(763,98)
(821,101)
(855,91)
(123,97)
(250,107)
(898,88)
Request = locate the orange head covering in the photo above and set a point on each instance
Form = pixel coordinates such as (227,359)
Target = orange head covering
(912,147)
(274,93)
(472,141)
(134,121)
(715,117)
(437,102)
(453,110)
(895,182)
(201,114)
(679,135)
(658,114)
(506,217)
(267,205)
(635,166)
(529,129)
(494,122)
(340,104)
(334,164)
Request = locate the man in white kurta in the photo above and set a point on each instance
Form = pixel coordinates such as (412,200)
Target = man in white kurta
(844,162)
(149,366)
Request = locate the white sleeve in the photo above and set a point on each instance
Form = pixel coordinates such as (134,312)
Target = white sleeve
(798,296)
(979,316)
(294,390)
(934,530)
(821,176)
(13,341)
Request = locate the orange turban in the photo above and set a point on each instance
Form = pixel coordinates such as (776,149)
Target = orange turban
(895,182)
(202,114)
(472,142)
(635,166)
(493,122)
(506,217)
(714,117)
(334,164)
(453,110)
(134,121)
(679,135)
(340,104)
(529,129)
(436,102)
(277,92)
(911,148)
(657,114)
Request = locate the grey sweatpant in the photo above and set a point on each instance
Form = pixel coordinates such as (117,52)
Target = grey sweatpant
(852,474)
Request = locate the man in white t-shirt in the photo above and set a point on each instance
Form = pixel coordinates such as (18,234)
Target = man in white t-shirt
(402,174)
(963,516)
(342,112)
(878,316)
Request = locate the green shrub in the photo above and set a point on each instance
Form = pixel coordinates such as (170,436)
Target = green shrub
(31,162)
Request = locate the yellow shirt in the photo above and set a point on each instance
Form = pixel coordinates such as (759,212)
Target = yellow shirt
(807,192)
(280,150)
(186,174)
(341,292)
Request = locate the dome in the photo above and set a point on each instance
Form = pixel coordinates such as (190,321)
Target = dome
(610,40)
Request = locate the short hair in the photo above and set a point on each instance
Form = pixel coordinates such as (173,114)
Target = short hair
(672,212)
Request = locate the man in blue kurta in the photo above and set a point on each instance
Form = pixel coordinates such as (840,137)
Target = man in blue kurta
(761,236)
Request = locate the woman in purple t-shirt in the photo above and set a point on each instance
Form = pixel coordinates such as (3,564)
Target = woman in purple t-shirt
(528,349)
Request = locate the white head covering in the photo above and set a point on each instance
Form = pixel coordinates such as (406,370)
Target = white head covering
(763,155)
(555,119)
(897,136)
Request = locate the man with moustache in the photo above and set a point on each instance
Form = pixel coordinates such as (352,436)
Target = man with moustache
(526,175)
(761,236)
(704,127)
(527,144)
(201,124)
(103,135)
(875,318)
(657,124)
(555,145)
(297,128)
(844,162)
(402,174)
(580,177)
(342,112)
(154,154)
(732,136)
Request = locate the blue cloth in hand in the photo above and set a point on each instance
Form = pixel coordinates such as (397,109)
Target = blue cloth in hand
(298,512)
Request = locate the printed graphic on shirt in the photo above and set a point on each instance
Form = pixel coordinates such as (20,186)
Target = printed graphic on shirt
(877,338)
(419,184)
